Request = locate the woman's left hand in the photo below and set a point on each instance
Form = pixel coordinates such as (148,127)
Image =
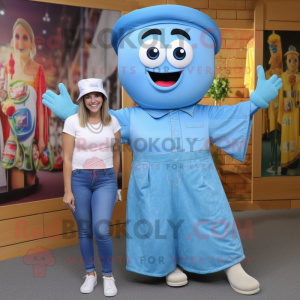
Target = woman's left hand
(41,146)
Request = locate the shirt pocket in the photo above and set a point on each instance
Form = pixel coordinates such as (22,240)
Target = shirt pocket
(195,135)
(195,131)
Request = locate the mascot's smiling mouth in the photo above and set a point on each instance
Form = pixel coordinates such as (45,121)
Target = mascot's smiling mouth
(165,79)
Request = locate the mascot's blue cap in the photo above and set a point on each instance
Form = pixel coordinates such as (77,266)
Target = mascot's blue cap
(162,14)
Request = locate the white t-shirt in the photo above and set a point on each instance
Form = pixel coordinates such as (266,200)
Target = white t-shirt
(92,150)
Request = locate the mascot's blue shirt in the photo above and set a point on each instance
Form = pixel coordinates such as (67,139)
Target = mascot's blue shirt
(188,129)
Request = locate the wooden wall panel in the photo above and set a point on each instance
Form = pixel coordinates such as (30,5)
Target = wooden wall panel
(250,5)
(295,203)
(257,119)
(124,194)
(119,213)
(39,207)
(259,16)
(236,44)
(282,11)
(257,205)
(277,25)
(237,34)
(146,3)
(236,72)
(242,24)
(31,208)
(61,222)
(245,15)
(63,240)
(276,188)
(212,13)
(236,82)
(21,230)
(232,53)
(190,3)
(226,14)
(125,12)
(230,63)
(43,244)
(227,4)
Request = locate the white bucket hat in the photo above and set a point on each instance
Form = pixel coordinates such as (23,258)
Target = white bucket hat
(90,85)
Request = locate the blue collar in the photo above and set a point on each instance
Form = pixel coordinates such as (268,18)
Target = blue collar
(158,113)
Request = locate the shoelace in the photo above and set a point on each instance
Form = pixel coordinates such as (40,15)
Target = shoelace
(109,280)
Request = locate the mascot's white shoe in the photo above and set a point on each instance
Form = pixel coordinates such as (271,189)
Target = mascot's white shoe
(176,278)
(240,281)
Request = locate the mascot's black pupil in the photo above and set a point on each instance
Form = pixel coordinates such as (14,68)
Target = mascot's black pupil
(153,53)
(179,53)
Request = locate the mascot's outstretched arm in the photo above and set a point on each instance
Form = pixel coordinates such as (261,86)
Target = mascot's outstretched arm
(63,107)
(230,125)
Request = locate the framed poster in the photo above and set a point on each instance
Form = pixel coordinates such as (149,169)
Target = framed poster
(41,45)
(281,120)
(275,177)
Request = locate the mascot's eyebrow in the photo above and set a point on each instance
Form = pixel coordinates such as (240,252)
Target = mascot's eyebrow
(151,31)
(180,31)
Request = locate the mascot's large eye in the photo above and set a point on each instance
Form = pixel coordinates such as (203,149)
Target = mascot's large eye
(152,53)
(180,53)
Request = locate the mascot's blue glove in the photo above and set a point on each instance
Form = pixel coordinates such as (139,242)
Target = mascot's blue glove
(266,90)
(62,105)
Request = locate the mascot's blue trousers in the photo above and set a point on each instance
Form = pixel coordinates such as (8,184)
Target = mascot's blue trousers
(178,213)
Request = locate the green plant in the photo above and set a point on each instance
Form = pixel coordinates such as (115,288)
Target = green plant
(219,89)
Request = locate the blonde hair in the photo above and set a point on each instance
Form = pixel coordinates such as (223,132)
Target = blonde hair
(27,27)
(83,112)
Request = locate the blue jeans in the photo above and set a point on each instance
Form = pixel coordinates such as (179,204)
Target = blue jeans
(95,193)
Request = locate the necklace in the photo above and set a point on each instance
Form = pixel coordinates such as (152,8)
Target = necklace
(97,129)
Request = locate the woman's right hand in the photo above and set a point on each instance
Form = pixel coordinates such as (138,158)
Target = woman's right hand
(69,201)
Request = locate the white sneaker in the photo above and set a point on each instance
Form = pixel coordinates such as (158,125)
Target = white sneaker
(89,283)
(109,285)
(240,281)
(176,278)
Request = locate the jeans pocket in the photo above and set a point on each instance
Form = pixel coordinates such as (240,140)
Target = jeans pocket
(75,172)
(110,173)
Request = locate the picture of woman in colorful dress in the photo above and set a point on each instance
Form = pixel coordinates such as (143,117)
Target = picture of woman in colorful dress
(27,116)
(289,115)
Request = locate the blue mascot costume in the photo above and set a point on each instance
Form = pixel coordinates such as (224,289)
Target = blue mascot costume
(177,211)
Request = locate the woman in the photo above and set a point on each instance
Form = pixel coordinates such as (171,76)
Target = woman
(26,125)
(91,152)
